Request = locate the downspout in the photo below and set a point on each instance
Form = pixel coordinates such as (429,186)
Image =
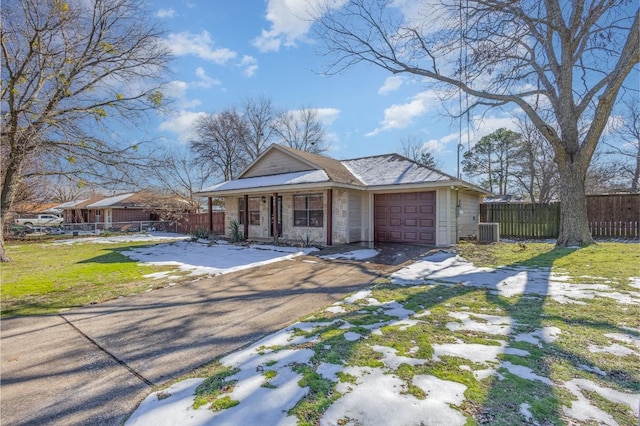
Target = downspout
(329,216)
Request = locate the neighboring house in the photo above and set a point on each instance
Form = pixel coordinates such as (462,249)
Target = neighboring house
(298,196)
(129,207)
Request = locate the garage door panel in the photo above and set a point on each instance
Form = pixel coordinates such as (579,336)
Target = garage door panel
(426,223)
(405,217)
(426,209)
(410,236)
(426,236)
(411,209)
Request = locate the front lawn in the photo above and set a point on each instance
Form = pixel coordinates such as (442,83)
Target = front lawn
(550,336)
(46,278)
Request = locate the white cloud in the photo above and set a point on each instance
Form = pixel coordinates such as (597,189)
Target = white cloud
(205,81)
(438,146)
(290,20)
(249,65)
(484,125)
(324,115)
(166,13)
(327,115)
(181,123)
(177,90)
(400,116)
(200,45)
(391,84)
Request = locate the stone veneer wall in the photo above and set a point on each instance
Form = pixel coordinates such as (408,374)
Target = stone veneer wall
(289,232)
(340,216)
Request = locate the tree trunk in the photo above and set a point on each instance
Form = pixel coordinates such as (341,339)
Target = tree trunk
(9,186)
(574,226)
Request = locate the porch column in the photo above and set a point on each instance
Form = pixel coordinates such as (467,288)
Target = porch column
(274,221)
(210,211)
(329,216)
(246,216)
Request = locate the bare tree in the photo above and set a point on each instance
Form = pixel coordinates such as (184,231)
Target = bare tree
(178,173)
(220,143)
(69,71)
(604,174)
(533,169)
(413,148)
(63,190)
(300,129)
(259,116)
(628,133)
(564,61)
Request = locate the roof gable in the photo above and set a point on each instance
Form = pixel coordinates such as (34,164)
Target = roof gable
(280,159)
(274,162)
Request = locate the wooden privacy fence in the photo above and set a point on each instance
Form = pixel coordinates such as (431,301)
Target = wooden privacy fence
(523,220)
(609,216)
(614,215)
(194,221)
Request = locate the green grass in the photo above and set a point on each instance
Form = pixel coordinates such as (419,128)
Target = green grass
(46,278)
(213,387)
(615,262)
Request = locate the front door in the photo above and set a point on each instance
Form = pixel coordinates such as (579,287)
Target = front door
(107,217)
(277,217)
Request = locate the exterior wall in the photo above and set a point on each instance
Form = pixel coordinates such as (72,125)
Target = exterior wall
(303,233)
(289,232)
(276,162)
(129,215)
(468,220)
(353,217)
(230,212)
(340,216)
(356,220)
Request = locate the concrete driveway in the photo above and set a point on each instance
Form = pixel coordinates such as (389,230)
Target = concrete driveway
(95,364)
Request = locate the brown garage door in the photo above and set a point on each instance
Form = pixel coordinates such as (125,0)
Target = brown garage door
(408,217)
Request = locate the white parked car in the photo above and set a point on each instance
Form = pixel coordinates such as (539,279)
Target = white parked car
(41,220)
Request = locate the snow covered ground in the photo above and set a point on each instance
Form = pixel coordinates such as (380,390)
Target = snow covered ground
(377,395)
(201,257)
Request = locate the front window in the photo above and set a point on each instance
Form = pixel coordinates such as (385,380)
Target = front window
(307,210)
(254,211)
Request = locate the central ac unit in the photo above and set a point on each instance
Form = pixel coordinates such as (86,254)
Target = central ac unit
(488,232)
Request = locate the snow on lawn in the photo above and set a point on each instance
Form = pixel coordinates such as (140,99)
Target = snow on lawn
(133,237)
(452,269)
(376,395)
(199,258)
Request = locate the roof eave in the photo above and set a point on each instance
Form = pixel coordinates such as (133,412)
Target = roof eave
(453,184)
(279,188)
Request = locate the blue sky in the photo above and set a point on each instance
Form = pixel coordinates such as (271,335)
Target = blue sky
(227,51)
